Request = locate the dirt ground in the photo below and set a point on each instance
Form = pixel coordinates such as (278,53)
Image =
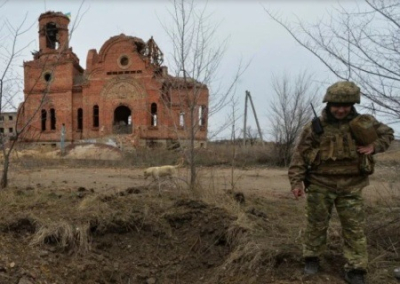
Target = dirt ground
(74,224)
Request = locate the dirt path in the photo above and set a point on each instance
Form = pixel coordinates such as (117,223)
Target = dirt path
(264,181)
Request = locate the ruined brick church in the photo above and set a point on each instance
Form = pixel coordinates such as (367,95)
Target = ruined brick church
(125,91)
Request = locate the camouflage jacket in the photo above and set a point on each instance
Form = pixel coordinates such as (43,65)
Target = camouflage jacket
(331,159)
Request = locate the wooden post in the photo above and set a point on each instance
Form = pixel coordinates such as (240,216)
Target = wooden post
(255,116)
(245,119)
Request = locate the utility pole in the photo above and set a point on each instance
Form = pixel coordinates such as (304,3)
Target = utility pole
(248,96)
(245,120)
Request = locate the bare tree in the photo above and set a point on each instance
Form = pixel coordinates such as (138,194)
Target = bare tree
(362,45)
(11,85)
(290,111)
(234,119)
(196,57)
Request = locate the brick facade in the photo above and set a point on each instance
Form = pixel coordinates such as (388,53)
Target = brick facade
(7,123)
(124,92)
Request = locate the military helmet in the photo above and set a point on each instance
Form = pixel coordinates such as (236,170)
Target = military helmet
(343,92)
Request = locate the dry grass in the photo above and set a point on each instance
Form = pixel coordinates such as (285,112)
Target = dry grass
(65,235)
(264,235)
(214,155)
(391,157)
(66,220)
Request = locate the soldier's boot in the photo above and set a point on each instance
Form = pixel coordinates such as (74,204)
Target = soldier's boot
(397,273)
(311,266)
(355,276)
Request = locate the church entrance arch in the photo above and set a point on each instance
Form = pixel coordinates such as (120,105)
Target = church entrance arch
(122,123)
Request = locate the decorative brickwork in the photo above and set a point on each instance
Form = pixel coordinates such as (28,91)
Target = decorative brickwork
(124,90)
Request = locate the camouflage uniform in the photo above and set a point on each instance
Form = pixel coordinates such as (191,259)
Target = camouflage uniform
(329,166)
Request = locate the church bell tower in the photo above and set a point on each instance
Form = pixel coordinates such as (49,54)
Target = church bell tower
(53,33)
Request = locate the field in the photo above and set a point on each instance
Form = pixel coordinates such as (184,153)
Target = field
(91,217)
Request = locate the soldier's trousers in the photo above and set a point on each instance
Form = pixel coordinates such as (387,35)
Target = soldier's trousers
(349,206)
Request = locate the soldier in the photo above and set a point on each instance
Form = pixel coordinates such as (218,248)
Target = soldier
(332,167)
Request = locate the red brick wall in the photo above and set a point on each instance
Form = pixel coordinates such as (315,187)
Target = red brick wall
(108,83)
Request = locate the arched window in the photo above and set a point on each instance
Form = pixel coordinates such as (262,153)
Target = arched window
(44,119)
(80,119)
(202,115)
(153,111)
(52,119)
(96,116)
(182,119)
(51,35)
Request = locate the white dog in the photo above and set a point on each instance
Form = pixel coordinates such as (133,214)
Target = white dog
(162,171)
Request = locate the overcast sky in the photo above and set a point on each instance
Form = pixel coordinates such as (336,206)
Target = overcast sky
(252,37)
